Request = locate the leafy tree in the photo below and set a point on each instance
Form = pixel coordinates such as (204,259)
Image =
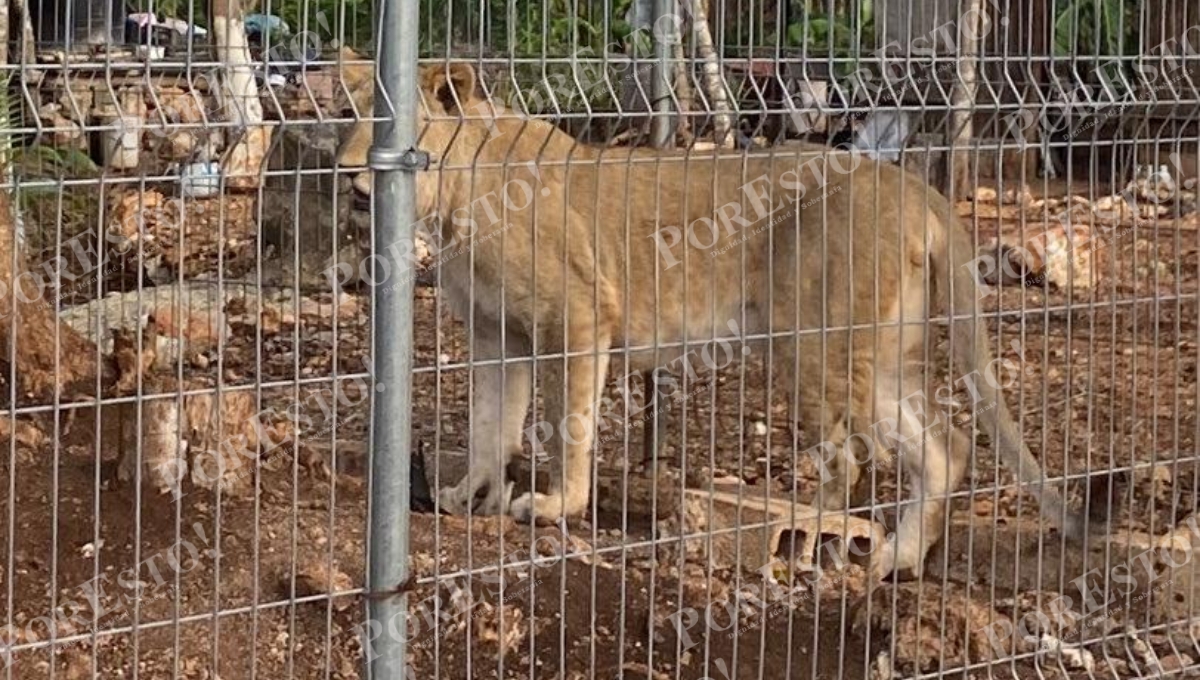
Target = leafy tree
(1095,27)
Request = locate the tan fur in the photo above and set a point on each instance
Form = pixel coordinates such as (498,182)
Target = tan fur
(579,270)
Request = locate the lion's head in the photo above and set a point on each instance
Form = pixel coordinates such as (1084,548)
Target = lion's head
(453,121)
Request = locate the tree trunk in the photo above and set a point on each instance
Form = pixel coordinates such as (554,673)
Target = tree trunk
(714,84)
(41,370)
(5,10)
(250,139)
(28,39)
(963,100)
(683,92)
(28,317)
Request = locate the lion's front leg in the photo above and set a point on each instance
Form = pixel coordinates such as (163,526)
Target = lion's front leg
(573,432)
(498,407)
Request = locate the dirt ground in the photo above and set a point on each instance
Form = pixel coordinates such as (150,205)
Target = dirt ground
(219,587)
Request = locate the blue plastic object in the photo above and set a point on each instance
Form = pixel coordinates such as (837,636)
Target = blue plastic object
(259,24)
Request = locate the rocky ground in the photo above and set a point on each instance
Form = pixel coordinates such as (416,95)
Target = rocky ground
(268,583)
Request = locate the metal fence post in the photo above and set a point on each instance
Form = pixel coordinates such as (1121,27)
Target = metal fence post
(662,128)
(392,160)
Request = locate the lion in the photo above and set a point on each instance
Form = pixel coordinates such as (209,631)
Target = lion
(826,254)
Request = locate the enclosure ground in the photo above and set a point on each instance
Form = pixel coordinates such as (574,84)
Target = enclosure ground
(1110,382)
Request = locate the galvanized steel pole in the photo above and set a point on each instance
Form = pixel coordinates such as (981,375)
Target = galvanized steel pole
(661,129)
(394,162)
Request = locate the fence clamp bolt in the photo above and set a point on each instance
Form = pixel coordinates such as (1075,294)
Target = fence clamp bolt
(409,160)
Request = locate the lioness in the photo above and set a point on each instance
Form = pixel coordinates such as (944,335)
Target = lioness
(613,249)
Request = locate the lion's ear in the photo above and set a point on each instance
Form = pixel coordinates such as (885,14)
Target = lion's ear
(452,86)
(356,76)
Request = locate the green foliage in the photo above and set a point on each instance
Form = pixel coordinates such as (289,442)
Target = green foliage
(522,28)
(819,33)
(49,210)
(324,18)
(530,30)
(553,32)
(47,162)
(1095,27)
(842,33)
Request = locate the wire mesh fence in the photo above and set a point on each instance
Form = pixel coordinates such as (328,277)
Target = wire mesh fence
(641,339)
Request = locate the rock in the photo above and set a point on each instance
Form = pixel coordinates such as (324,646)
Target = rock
(930,624)
(503,626)
(317,577)
(271,320)
(809,529)
(129,311)
(66,132)
(164,446)
(1072,258)
(201,328)
(1050,205)
(313,311)
(984,195)
(1112,667)
(1018,196)
(167,351)
(362,183)
(1153,184)
(984,507)
(1065,261)
(1108,203)
(178,106)
(421,250)
(1174,663)
(1072,656)
(181,145)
